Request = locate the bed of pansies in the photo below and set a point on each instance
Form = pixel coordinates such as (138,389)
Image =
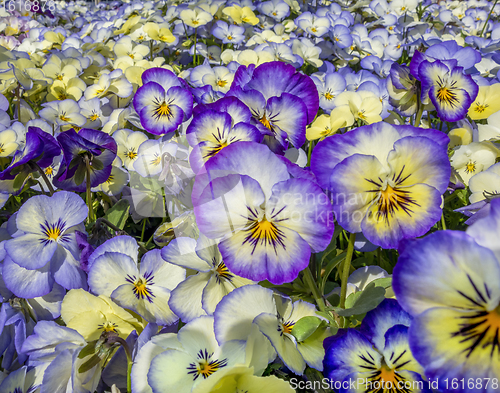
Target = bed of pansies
(249,196)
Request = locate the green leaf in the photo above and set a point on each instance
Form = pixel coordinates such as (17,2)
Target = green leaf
(89,364)
(19,180)
(97,165)
(328,316)
(329,268)
(118,214)
(87,350)
(384,282)
(305,327)
(362,302)
(80,174)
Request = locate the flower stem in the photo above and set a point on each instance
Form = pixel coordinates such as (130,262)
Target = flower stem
(347,268)
(308,277)
(143,229)
(309,153)
(443,222)
(194,53)
(419,113)
(89,193)
(487,19)
(129,375)
(45,179)
(130,361)
(18,94)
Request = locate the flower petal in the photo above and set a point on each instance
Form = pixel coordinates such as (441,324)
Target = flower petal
(437,271)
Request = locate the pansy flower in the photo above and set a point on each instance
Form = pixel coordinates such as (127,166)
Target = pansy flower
(165,161)
(88,147)
(128,143)
(377,356)
(455,331)
(449,89)
(218,125)
(196,357)
(114,271)
(22,380)
(46,228)
(38,152)
(282,101)
(469,160)
(199,294)
(57,350)
(447,51)
(329,86)
(386,181)
(486,103)
(275,316)
(91,316)
(266,223)
(162,102)
(403,90)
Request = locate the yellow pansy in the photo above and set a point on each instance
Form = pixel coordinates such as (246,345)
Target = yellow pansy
(241,15)
(92,315)
(486,103)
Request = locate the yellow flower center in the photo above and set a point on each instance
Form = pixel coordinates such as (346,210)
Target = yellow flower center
(131,154)
(53,234)
(195,22)
(361,115)
(205,366)
(64,118)
(287,327)
(223,272)
(447,96)
(156,160)
(110,179)
(108,327)
(480,108)
(215,149)
(388,375)
(221,83)
(131,55)
(59,77)
(264,233)
(328,96)
(229,37)
(163,110)
(314,30)
(94,117)
(266,122)
(49,171)
(470,167)
(140,288)
(391,200)
(326,131)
